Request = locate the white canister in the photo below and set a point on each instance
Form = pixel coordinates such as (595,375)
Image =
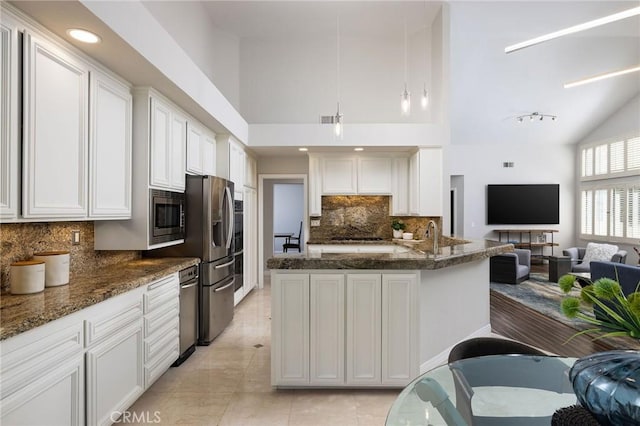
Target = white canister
(407,236)
(27,277)
(56,267)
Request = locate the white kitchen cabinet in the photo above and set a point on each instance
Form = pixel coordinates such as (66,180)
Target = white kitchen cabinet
(400,187)
(399,328)
(364,329)
(109,148)
(42,374)
(327,328)
(290,330)
(168,145)
(333,329)
(201,157)
(9,126)
(339,176)
(315,186)
(237,168)
(251,172)
(114,356)
(55,131)
(425,182)
(375,175)
(250,240)
(161,327)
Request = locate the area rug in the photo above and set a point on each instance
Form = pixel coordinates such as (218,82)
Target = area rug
(541,295)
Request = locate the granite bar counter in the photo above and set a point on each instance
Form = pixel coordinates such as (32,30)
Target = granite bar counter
(419,256)
(20,313)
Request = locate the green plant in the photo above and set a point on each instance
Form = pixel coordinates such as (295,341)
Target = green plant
(398,225)
(620,313)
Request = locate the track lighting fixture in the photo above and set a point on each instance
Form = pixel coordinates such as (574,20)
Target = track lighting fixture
(536,116)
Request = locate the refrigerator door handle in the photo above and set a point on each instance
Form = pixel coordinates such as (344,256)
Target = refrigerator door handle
(230,207)
(223,288)
(224,265)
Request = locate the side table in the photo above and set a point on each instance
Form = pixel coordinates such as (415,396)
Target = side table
(558,266)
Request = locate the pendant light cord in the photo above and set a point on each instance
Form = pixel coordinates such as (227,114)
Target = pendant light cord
(338,57)
(405,53)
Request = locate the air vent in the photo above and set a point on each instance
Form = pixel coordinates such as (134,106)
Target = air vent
(507,164)
(327,119)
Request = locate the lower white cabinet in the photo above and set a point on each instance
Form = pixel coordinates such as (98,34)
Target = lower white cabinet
(332,329)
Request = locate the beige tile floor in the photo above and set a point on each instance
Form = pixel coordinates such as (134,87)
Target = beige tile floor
(228,383)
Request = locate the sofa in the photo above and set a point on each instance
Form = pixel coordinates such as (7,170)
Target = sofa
(627,275)
(581,257)
(510,268)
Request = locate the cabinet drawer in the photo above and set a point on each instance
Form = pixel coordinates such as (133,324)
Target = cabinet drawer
(161,292)
(106,324)
(165,337)
(27,363)
(160,364)
(158,320)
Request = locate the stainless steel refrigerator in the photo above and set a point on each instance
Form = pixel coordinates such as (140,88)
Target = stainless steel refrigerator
(209,236)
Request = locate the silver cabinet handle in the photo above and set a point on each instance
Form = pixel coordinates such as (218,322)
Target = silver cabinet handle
(225,287)
(189,285)
(224,265)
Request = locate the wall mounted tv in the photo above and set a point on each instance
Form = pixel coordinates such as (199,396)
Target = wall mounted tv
(523,204)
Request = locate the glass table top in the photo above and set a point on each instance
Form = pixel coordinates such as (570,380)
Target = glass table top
(491,390)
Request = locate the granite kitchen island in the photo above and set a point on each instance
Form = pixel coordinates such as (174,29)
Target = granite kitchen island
(375,314)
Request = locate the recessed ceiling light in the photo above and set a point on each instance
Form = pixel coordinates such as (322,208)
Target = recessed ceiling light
(574,29)
(358,149)
(601,77)
(303,149)
(83,35)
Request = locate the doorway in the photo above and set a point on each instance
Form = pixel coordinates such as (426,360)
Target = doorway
(282,206)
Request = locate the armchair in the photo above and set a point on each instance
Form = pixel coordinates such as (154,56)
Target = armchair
(510,268)
(580,264)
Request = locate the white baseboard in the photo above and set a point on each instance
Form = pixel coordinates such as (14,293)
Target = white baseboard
(443,356)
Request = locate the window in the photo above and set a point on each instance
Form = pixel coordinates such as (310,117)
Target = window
(610,191)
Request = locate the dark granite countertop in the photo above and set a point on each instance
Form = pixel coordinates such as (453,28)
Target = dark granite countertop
(20,313)
(454,252)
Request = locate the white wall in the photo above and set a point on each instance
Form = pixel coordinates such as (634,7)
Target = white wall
(215,52)
(294,80)
(482,165)
(288,210)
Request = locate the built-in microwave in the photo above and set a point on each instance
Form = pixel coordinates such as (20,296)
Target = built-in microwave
(166,221)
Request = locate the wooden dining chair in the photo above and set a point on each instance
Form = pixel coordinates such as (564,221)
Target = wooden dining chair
(293,242)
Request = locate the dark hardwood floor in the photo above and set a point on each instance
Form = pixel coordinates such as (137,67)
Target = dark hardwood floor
(517,321)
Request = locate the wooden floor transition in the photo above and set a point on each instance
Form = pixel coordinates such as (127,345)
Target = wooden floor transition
(512,319)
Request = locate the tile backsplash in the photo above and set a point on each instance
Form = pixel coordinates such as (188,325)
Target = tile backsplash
(356,216)
(18,241)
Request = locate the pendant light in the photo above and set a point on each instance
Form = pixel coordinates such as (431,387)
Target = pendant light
(337,121)
(405,98)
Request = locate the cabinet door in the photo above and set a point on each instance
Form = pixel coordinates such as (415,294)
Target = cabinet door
(290,329)
(315,187)
(160,167)
(339,176)
(110,148)
(250,240)
(326,329)
(208,150)
(399,329)
(56,398)
(194,158)
(55,115)
(236,166)
(250,178)
(430,182)
(364,329)
(414,184)
(9,169)
(400,187)
(177,163)
(375,175)
(115,375)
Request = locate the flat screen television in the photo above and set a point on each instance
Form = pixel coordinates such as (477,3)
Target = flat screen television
(532,204)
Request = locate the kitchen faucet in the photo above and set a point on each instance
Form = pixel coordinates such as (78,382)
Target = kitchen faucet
(435,235)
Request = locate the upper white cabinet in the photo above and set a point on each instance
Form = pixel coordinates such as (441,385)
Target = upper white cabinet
(110,148)
(425,182)
(201,156)
(237,167)
(400,187)
(9,138)
(339,176)
(375,175)
(251,172)
(315,186)
(55,114)
(168,133)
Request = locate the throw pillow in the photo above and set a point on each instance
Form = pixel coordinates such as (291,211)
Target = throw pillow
(599,252)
